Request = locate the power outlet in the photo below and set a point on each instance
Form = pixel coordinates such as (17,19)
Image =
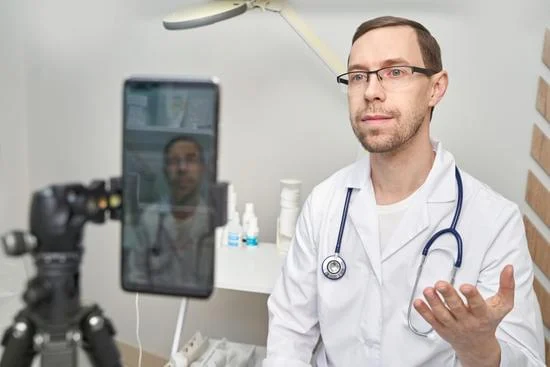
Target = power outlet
(195,347)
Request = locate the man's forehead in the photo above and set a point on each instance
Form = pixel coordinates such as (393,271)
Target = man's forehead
(379,45)
(183,147)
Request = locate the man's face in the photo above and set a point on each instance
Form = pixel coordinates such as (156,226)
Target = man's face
(383,120)
(183,169)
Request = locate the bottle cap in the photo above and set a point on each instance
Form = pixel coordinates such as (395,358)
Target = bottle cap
(249,208)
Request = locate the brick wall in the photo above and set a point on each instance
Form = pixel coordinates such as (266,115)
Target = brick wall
(537,196)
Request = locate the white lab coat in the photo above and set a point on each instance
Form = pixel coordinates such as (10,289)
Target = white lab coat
(362,318)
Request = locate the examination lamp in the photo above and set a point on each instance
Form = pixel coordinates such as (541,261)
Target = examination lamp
(220,10)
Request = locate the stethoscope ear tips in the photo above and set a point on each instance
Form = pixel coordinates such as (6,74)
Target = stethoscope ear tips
(334,267)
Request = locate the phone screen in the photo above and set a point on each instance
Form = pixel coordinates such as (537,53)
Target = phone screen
(169,167)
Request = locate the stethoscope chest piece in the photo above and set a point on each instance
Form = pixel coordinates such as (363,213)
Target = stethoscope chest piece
(334,267)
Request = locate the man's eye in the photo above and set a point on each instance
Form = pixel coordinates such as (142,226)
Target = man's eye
(357,77)
(395,73)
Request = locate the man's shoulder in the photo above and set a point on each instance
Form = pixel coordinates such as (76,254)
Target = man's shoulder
(334,181)
(150,214)
(487,201)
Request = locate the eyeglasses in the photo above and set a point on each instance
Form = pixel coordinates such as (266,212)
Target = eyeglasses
(175,162)
(391,78)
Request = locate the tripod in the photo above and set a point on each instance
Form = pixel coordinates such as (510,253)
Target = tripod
(54,322)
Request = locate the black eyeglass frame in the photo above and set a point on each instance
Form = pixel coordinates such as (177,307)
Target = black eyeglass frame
(414,69)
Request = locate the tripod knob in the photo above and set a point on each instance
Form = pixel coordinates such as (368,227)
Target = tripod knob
(19,329)
(37,291)
(96,323)
(17,243)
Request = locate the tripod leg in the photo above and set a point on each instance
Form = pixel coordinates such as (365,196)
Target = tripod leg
(18,344)
(98,342)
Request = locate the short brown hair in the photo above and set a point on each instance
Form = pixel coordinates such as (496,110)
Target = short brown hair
(431,53)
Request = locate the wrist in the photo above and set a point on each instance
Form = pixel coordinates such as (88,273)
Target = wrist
(486,354)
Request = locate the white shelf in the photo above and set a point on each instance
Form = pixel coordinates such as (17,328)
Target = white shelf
(249,269)
(170,129)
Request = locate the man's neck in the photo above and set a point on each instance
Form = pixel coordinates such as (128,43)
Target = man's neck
(184,208)
(396,175)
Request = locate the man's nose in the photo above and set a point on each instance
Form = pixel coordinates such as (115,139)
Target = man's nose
(182,165)
(374,89)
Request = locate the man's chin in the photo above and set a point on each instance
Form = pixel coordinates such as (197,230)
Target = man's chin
(182,196)
(374,145)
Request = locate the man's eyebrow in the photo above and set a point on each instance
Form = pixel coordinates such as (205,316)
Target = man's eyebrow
(396,61)
(387,62)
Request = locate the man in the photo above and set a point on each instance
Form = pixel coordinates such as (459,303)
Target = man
(170,237)
(364,308)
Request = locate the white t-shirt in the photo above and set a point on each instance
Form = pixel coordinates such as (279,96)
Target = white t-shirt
(389,217)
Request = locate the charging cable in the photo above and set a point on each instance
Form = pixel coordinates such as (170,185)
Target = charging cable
(137,331)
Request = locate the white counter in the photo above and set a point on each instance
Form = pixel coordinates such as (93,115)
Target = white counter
(250,269)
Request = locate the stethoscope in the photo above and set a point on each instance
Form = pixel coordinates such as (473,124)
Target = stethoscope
(334,266)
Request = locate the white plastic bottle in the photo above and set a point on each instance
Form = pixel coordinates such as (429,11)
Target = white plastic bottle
(231,209)
(252,232)
(288,215)
(248,214)
(234,231)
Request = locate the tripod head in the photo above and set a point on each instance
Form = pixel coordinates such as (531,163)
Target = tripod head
(58,214)
(54,320)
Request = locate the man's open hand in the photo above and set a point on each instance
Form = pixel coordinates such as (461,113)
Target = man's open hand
(470,328)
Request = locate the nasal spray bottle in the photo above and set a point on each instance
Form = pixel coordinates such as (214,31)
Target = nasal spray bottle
(250,226)
(234,230)
(232,214)
(290,209)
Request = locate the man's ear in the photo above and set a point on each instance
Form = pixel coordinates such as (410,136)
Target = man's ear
(439,84)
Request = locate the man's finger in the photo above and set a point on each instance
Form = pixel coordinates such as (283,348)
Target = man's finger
(476,303)
(507,286)
(453,300)
(427,314)
(440,311)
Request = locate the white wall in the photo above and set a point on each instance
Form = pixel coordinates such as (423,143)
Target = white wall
(14,180)
(282,113)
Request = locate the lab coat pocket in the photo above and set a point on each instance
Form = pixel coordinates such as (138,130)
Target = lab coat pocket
(341,304)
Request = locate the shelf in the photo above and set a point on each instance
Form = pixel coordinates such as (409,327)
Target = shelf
(249,269)
(170,129)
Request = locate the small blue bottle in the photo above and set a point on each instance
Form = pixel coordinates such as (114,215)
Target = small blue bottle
(252,232)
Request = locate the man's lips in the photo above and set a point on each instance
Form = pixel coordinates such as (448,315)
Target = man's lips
(374,119)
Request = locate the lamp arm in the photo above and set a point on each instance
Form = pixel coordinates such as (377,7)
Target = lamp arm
(326,55)
(218,10)
(330,59)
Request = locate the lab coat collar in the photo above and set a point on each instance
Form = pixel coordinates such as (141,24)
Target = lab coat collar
(439,187)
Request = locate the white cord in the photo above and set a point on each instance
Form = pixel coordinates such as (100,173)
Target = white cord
(137,330)
(179,326)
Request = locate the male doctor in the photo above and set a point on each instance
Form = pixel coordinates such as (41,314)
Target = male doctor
(401,194)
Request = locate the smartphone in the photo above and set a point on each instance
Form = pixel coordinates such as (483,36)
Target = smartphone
(169,163)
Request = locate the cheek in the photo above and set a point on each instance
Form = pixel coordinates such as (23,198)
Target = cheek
(195,172)
(356,103)
(410,104)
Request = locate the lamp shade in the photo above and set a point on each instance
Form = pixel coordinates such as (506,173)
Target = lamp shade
(198,16)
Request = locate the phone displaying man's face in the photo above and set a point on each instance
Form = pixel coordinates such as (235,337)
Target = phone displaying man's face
(169,167)
(184,169)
